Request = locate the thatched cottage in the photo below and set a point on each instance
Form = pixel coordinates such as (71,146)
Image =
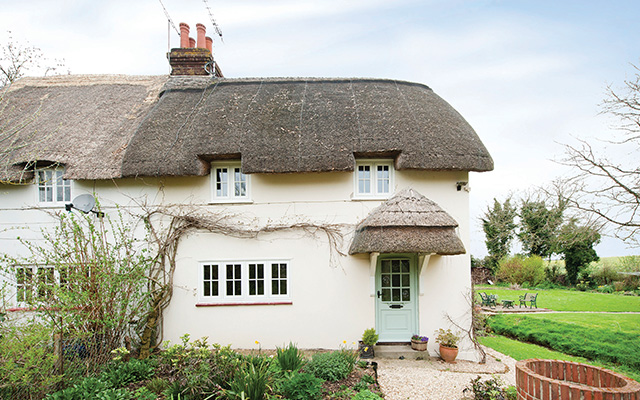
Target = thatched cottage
(383,163)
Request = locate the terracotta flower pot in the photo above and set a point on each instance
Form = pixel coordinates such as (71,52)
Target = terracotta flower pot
(448,354)
(418,345)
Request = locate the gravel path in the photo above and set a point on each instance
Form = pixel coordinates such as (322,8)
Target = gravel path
(434,379)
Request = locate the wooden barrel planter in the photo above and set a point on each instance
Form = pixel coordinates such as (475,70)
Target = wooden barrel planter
(553,379)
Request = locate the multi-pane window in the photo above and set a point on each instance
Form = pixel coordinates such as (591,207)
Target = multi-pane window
(395,280)
(244,281)
(34,283)
(52,187)
(279,278)
(229,183)
(374,179)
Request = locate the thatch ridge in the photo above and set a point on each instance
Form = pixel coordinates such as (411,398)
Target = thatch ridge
(408,222)
(281,125)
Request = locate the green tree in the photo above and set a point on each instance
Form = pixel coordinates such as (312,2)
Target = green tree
(498,224)
(576,244)
(538,226)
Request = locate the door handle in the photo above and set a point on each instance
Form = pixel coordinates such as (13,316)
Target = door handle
(379,294)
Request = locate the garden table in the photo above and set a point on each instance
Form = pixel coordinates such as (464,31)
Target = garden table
(507,303)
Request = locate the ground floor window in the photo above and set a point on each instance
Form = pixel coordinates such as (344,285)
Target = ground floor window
(34,283)
(244,281)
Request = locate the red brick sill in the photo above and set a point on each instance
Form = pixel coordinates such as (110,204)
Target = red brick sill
(271,303)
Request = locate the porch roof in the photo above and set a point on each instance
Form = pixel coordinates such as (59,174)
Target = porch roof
(407,223)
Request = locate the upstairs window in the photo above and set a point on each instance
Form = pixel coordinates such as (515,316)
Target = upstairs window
(229,183)
(52,188)
(373,179)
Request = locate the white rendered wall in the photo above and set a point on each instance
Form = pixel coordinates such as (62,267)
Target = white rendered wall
(331,303)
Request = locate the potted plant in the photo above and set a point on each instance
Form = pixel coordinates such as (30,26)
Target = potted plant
(369,339)
(419,342)
(448,344)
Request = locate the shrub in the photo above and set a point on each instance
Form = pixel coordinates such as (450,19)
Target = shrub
(605,275)
(490,389)
(370,337)
(366,395)
(120,374)
(332,366)
(290,358)
(90,389)
(302,386)
(251,381)
(521,270)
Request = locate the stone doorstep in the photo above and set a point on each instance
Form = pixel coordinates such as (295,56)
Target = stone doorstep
(395,351)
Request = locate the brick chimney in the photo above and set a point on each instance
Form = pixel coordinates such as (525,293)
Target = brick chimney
(191,60)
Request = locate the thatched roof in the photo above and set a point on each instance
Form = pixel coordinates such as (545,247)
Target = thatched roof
(300,125)
(84,122)
(102,127)
(407,223)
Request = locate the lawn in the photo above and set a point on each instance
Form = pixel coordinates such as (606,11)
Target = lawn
(570,300)
(595,332)
(522,351)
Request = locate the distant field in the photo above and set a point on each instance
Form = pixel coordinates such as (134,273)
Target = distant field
(570,300)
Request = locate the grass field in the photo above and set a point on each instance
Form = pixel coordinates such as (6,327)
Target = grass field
(588,327)
(523,351)
(570,300)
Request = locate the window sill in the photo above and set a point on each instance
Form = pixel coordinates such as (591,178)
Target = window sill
(261,303)
(380,197)
(231,201)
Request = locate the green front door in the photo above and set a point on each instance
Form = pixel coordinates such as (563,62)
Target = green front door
(396,298)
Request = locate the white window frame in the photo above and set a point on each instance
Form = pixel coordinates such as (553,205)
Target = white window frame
(226,193)
(46,180)
(30,292)
(376,190)
(228,286)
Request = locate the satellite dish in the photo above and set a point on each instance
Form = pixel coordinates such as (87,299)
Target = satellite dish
(84,203)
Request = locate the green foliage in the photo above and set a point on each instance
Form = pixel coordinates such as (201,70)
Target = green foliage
(370,337)
(251,382)
(576,243)
(366,395)
(96,389)
(333,366)
(593,343)
(489,389)
(447,338)
(290,358)
(302,386)
(538,227)
(28,364)
(499,230)
(119,374)
(157,385)
(521,270)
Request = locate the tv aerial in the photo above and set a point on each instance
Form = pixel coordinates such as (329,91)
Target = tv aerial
(85,204)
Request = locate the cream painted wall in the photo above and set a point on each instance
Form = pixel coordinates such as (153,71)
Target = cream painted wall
(332,303)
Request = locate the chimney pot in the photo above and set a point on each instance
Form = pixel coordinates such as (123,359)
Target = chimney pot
(201,32)
(184,35)
(209,42)
(192,42)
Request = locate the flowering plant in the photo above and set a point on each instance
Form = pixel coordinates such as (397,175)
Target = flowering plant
(418,338)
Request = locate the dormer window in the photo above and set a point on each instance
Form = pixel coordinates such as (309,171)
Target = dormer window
(373,179)
(229,183)
(52,188)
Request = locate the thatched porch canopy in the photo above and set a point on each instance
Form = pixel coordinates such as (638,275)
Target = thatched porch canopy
(281,125)
(407,223)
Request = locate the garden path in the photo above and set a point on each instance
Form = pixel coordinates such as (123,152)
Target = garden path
(434,379)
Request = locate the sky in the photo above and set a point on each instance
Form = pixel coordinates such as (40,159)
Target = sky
(529,76)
